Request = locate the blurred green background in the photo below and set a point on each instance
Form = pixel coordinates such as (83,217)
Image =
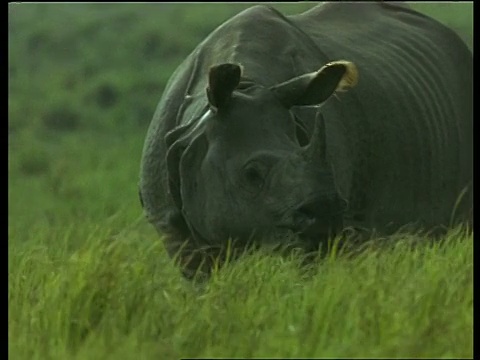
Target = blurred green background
(84,81)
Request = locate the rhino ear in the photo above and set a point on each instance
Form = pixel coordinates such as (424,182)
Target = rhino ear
(222,80)
(316,87)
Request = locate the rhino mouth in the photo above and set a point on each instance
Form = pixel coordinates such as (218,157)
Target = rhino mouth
(318,231)
(317,226)
(314,233)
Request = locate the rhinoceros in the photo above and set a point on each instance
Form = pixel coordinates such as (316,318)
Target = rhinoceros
(348,115)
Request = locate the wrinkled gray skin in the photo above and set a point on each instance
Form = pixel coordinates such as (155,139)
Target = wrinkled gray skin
(396,149)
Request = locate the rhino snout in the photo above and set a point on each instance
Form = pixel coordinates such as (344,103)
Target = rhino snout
(321,215)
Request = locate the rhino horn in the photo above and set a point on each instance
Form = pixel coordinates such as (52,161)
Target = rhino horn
(317,149)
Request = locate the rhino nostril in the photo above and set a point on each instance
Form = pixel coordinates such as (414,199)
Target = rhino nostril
(308,211)
(306,215)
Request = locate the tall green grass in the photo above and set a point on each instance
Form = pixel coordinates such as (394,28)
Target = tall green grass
(118,296)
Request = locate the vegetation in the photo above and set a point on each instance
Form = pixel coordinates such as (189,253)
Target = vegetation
(90,279)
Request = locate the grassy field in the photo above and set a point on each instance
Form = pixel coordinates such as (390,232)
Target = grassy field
(90,279)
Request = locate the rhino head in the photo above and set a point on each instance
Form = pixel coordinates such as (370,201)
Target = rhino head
(246,168)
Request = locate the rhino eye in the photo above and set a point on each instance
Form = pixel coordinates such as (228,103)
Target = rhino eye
(254,175)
